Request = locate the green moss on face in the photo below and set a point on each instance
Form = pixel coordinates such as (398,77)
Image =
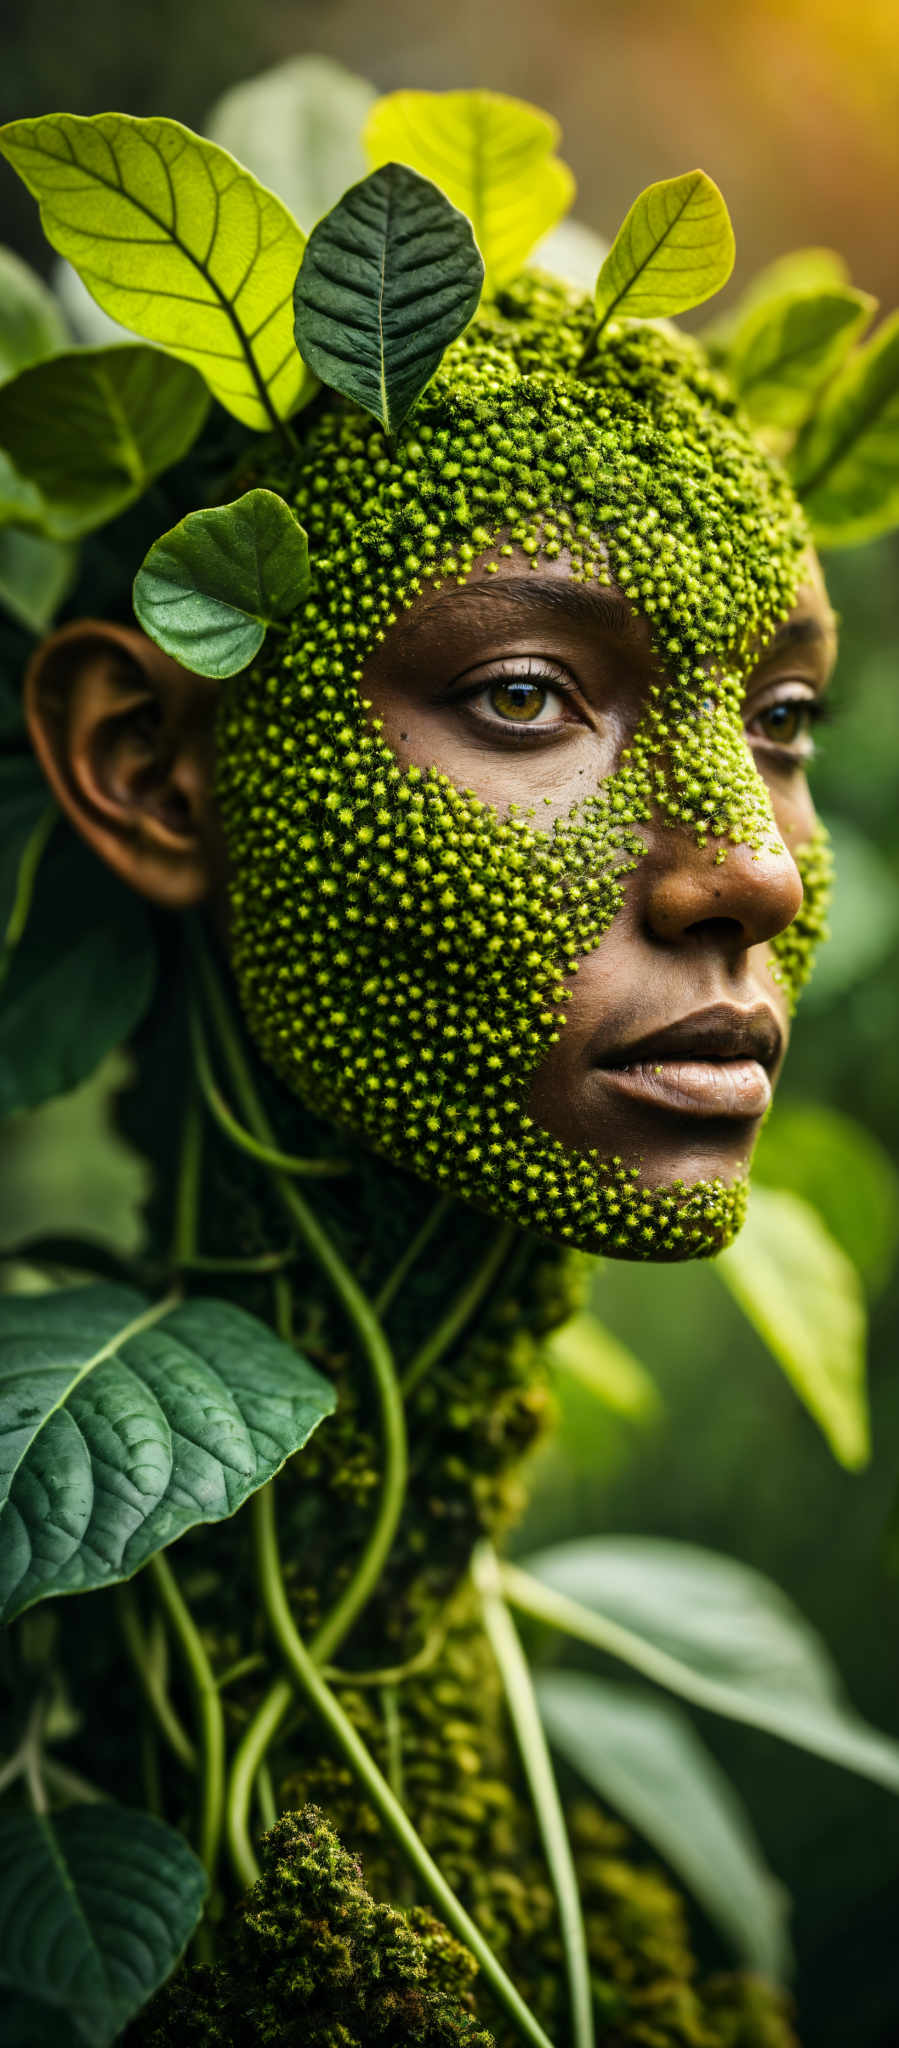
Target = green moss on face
(403,952)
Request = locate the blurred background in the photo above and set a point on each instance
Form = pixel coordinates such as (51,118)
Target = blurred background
(684,1427)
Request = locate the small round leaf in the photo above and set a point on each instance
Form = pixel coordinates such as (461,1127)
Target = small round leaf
(672,251)
(209,588)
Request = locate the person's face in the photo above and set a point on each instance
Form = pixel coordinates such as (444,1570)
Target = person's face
(525,687)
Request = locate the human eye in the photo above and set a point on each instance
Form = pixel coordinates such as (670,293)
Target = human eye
(520,698)
(784,725)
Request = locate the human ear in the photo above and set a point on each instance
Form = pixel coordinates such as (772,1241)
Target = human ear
(125,737)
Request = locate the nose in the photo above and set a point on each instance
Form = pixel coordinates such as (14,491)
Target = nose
(742,900)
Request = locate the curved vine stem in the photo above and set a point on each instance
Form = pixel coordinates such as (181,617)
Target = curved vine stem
(267,1155)
(248,1757)
(309,1681)
(533,1750)
(412,1253)
(151,1679)
(210,1718)
(461,1309)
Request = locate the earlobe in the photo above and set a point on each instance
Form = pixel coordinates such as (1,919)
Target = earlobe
(126,740)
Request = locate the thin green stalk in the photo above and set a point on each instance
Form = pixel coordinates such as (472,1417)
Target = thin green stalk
(208,1707)
(27,876)
(308,1679)
(151,1679)
(412,1253)
(260,1262)
(248,1757)
(265,1795)
(187,1191)
(267,1155)
(393,1731)
(532,1746)
(460,1311)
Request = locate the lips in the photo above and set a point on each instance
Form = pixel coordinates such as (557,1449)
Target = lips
(716,1063)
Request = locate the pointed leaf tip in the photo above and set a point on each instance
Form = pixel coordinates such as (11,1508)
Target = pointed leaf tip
(673,250)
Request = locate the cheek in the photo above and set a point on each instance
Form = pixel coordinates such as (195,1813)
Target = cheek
(793,806)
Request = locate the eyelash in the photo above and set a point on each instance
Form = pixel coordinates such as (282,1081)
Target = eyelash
(801,751)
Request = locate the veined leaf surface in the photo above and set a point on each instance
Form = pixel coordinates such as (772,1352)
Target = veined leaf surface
(390,277)
(783,354)
(90,429)
(673,250)
(207,590)
(846,463)
(96,1906)
(494,158)
(123,1423)
(176,240)
(31,324)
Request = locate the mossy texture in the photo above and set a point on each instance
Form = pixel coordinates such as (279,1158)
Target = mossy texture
(402,951)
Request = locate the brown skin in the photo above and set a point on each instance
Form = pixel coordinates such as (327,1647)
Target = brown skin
(125,737)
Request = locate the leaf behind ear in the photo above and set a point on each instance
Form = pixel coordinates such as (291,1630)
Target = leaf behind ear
(784,353)
(492,155)
(31,324)
(390,277)
(176,240)
(35,575)
(673,250)
(845,466)
(91,428)
(209,588)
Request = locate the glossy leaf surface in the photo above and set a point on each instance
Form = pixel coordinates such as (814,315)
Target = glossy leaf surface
(123,1423)
(209,588)
(846,463)
(390,277)
(730,1640)
(786,351)
(90,429)
(176,240)
(31,324)
(96,1905)
(494,158)
(673,250)
(298,128)
(642,1755)
(804,1297)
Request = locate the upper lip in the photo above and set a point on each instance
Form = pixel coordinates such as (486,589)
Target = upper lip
(722,1032)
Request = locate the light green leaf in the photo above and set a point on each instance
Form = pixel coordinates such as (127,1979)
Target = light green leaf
(123,1423)
(96,1905)
(90,429)
(390,277)
(89,324)
(709,1629)
(862,919)
(174,239)
(585,1349)
(79,980)
(298,128)
(800,270)
(35,575)
(69,1173)
(805,1299)
(494,158)
(783,354)
(31,325)
(838,1166)
(845,466)
(672,251)
(642,1755)
(209,588)
(20,503)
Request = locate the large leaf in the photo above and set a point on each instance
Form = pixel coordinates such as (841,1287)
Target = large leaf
(800,270)
(846,463)
(586,1350)
(35,575)
(174,239)
(90,429)
(862,918)
(31,325)
(642,1755)
(20,503)
(390,277)
(805,1299)
(838,1166)
(493,157)
(783,354)
(96,1905)
(123,1423)
(79,980)
(673,250)
(298,128)
(207,590)
(710,1629)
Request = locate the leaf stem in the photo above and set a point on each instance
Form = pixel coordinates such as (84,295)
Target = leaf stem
(151,1679)
(412,1253)
(533,1750)
(310,1682)
(460,1311)
(208,1707)
(248,1757)
(267,1155)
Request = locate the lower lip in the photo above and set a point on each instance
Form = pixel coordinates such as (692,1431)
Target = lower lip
(722,1088)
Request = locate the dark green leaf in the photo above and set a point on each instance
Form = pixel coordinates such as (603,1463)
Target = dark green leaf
(642,1755)
(35,576)
(123,1423)
(207,591)
(673,250)
(31,325)
(800,270)
(784,353)
(390,277)
(24,798)
(92,428)
(838,1166)
(20,503)
(80,978)
(298,128)
(96,1906)
(730,1640)
(174,239)
(846,463)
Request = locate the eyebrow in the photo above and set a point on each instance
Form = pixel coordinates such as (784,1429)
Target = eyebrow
(584,603)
